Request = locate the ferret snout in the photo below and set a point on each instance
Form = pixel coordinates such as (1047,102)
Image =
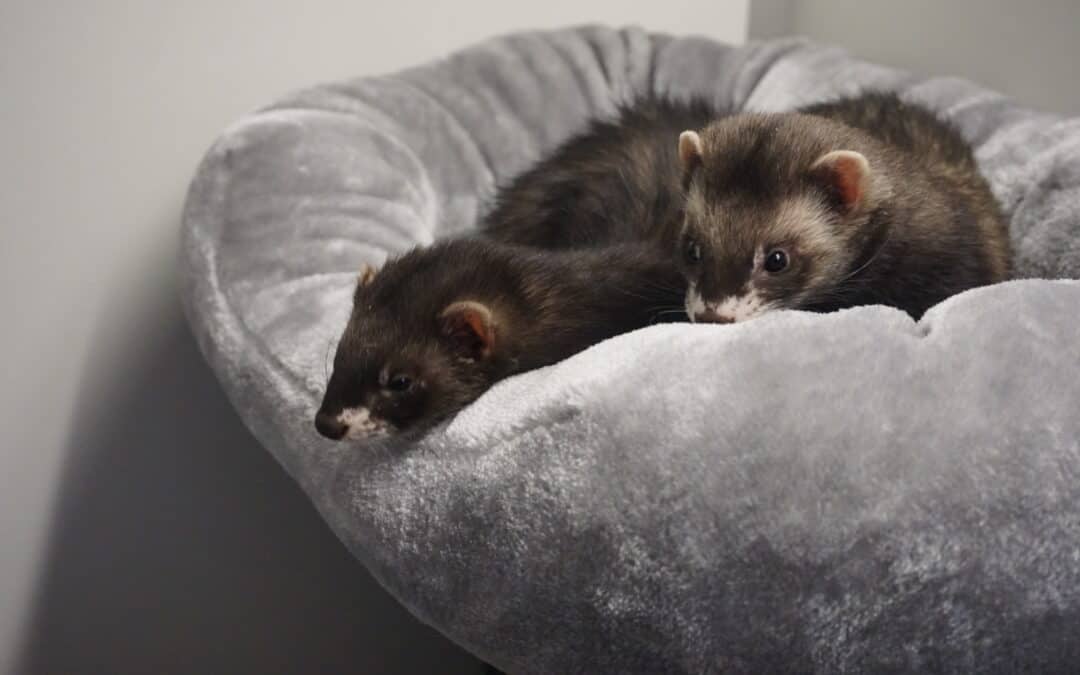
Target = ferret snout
(732,309)
(701,311)
(350,423)
(330,426)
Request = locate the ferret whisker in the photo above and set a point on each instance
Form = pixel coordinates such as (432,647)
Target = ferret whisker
(874,257)
(667,308)
(650,283)
(326,361)
(669,312)
(628,292)
(633,294)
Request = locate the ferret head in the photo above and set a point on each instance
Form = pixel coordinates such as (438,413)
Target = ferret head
(774,211)
(415,351)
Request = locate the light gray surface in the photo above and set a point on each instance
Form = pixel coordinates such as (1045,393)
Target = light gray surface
(1028,49)
(834,492)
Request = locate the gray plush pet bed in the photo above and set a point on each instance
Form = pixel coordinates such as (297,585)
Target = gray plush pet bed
(832,493)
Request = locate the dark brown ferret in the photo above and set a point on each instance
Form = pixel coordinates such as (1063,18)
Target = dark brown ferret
(435,328)
(866,200)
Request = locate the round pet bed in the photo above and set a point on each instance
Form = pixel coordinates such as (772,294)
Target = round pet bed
(833,493)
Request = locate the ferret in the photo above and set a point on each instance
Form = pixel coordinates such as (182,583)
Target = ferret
(435,328)
(616,181)
(864,200)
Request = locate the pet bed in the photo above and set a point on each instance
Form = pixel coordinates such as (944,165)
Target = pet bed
(833,493)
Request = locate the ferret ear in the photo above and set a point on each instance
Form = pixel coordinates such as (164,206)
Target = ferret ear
(367,274)
(689,150)
(470,325)
(845,174)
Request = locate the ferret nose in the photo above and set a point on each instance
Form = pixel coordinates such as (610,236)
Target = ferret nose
(711,316)
(329,426)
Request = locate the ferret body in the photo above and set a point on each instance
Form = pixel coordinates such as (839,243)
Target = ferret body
(436,327)
(616,181)
(867,200)
(860,201)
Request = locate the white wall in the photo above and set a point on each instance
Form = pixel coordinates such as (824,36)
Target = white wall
(1029,50)
(141,528)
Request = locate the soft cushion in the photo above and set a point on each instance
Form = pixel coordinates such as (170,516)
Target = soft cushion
(832,493)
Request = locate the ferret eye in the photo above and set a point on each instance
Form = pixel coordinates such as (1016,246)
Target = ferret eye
(776,261)
(399,383)
(693,251)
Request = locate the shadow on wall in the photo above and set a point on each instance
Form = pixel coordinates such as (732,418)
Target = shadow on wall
(179,545)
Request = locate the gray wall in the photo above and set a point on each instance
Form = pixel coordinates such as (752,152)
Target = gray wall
(1028,50)
(142,530)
